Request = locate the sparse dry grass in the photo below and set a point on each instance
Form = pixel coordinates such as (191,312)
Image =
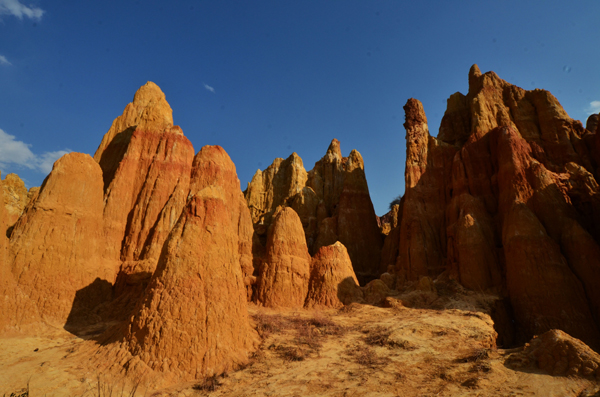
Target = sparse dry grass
(475,355)
(19,393)
(292,353)
(307,329)
(308,334)
(349,308)
(366,356)
(266,324)
(109,388)
(211,383)
(377,336)
(380,336)
(480,358)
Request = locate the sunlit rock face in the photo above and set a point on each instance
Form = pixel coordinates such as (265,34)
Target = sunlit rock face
(16,198)
(193,320)
(332,279)
(96,229)
(146,161)
(3,224)
(505,199)
(284,274)
(332,201)
(146,165)
(57,246)
(16,309)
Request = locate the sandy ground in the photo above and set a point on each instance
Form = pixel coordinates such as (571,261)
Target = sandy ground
(359,350)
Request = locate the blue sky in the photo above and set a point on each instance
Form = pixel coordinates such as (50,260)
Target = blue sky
(266,78)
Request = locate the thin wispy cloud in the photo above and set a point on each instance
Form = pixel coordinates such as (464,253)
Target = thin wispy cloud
(209,88)
(20,10)
(4,61)
(17,153)
(594,107)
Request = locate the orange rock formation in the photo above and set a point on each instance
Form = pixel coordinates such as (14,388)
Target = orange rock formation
(145,160)
(164,243)
(193,319)
(332,279)
(16,197)
(332,201)
(56,247)
(559,354)
(284,274)
(505,198)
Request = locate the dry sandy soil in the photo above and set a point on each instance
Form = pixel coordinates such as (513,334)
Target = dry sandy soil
(359,350)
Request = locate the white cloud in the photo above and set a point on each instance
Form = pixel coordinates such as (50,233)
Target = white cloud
(208,88)
(4,61)
(17,153)
(594,107)
(20,10)
(47,159)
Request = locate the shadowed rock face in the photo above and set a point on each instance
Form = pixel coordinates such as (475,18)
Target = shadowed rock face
(57,246)
(505,198)
(193,319)
(421,241)
(332,201)
(592,123)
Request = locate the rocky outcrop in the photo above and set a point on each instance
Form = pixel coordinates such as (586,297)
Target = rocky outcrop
(327,178)
(7,283)
(17,312)
(559,354)
(274,186)
(193,320)
(536,270)
(284,274)
(357,226)
(332,201)
(213,167)
(332,279)
(421,243)
(592,122)
(146,162)
(375,291)
(15,198)
(56,247)
(472,255)
(390,220)
(149,111)
(504,199)
(3,224)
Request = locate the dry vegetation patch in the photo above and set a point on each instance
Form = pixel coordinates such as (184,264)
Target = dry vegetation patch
(366,356)
(305,334)
(210,384)
(382,336)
